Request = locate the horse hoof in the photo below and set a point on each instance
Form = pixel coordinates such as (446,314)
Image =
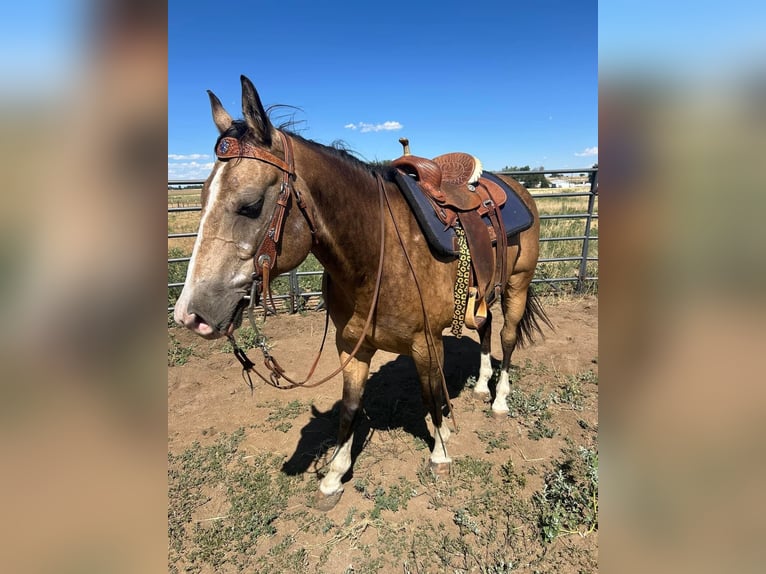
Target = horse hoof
(326,502)
(499,414)
(481,397)
(441,469)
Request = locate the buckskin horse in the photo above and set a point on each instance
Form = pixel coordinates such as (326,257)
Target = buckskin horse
(273,197)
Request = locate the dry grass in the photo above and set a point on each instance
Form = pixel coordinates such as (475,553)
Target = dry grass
(188,222)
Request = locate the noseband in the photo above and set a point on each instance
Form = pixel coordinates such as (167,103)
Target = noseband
(266,254)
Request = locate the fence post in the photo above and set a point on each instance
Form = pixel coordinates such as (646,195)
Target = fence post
(295,290)
(582,273)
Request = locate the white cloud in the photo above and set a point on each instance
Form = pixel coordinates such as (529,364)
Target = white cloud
(364,127)
(189,170)
(587,152)
(179,156)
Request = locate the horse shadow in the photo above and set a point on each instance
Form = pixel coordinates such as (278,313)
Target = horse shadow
(392,400)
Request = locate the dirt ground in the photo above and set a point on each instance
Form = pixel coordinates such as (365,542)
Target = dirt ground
(207,396)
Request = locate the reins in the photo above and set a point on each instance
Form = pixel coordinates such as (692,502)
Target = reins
(265,258)
(426,323)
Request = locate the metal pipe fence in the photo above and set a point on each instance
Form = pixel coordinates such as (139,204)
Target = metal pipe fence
(298,297)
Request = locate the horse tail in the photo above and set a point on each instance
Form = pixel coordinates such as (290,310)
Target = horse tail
(529,326)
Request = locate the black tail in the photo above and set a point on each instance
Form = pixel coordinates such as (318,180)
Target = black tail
(529,326)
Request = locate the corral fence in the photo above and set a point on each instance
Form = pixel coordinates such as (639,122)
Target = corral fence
(302,292)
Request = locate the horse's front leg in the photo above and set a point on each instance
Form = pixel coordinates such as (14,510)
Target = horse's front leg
(354,377)
(429,361)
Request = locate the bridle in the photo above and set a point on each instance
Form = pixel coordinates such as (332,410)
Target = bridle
(266,254)
(265,258)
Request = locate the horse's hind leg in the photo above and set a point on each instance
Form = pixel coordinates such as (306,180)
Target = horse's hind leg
(429,362)
(481,390)
(354,377)
(514,304)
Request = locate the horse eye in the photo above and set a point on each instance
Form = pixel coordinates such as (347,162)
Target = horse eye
(251,210)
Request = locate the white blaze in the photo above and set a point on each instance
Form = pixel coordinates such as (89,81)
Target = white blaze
(188,289)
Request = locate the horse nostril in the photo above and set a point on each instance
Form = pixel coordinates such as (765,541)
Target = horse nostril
(193,319)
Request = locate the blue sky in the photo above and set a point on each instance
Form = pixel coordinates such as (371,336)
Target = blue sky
(513,83)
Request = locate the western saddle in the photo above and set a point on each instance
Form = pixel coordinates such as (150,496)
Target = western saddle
(465,200)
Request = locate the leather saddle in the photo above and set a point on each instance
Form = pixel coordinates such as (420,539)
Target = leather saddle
(452,190)
(451,181)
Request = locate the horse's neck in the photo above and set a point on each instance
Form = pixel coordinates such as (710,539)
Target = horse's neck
(347,207)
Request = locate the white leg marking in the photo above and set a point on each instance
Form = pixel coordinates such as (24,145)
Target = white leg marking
(339,466)
(485,374)
(439,454)
(501,393)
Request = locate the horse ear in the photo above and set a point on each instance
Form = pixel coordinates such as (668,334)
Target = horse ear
(221,118)
(255,115)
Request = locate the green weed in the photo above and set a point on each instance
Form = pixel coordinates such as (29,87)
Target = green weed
(540,427)
(569,497)
(290,411)
(255,497)
(178,354)
(396,497)
(493,441)
(247,338)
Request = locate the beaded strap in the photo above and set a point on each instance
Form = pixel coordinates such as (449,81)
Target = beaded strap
(461,282)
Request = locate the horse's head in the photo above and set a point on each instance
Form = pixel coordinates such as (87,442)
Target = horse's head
(239,202)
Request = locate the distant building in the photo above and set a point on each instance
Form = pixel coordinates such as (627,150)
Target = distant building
(568,181)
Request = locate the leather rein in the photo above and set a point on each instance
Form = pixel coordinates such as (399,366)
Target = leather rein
(265,259)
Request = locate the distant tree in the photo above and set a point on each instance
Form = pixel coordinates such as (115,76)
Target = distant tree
(531,180)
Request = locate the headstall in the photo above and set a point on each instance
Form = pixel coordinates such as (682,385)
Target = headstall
(266,254)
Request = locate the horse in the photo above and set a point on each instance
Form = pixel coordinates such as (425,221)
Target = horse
(384,288)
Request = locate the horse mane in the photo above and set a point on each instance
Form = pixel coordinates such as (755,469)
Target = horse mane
(341,151)
(338,149)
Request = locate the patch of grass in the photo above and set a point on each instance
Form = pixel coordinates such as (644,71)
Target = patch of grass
(469,468)
(420,444)
(247,338)
(289,411)
(397,497)
(178,354)
(176,273)
(541,428)
(510,477)
(486,505)
(532,411)
(522,404)
(493,441)
(284,426)
(571,393)
(570,248)
(255,497)
(569,497)
(588,376)
(464,520)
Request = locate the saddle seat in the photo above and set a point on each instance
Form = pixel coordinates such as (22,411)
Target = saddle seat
(462,196)
(451,182)
(446,178)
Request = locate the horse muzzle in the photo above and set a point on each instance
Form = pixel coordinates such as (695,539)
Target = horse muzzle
(211,321)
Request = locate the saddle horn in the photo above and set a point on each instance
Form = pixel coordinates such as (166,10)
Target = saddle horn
(406,145)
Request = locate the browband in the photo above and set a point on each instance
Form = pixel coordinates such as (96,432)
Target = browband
(230,147)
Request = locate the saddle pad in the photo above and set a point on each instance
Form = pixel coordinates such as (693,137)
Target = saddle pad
(515,214)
